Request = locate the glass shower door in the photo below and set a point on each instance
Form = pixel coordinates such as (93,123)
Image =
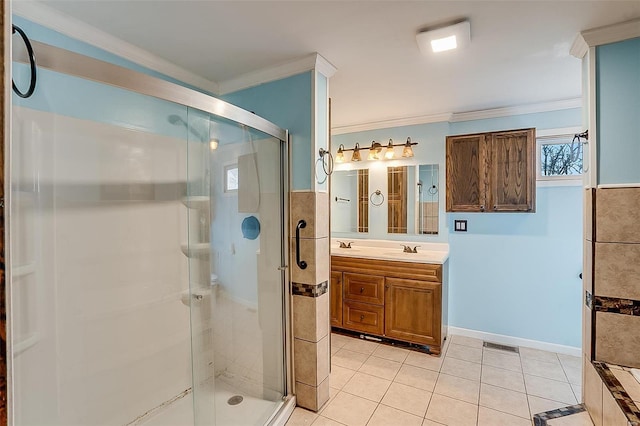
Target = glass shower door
(236,249)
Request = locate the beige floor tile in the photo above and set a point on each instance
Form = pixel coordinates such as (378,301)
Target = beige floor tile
(577,392)
(458,388)
(538,354)
(323,421)
(501,359)
(539,405)
(301,417)
(549,370)
(578,419)
(338,340)
(466,353)
(466,341)
(380,367)
(570,361)
(549,389)
(449,411)
(391,353)
(427,422)
(504,400)
(332,394)
(366,386)
(574,375)
(417,377)
(386,416)
(360,345)
(489,417)
(334,349)
(422,360)
(349,359)
(460,368)
(503,378)
(339,376)
(349,409)
(407,398)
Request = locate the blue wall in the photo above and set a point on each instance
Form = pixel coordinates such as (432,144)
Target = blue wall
(618,111)
(287,103)
(512,273)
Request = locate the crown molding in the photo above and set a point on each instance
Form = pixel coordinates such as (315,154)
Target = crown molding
(277,72)
(461,116)
(612,33)
(64,24)
(518,110)
(579,48)
(396,122)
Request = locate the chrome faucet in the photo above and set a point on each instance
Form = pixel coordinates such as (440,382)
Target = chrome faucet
(408,249)
(343,245)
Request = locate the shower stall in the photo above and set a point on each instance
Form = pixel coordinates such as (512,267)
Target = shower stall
(147,258)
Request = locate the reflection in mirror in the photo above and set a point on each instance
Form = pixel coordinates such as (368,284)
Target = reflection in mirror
(397,200)
(428,199)
(350,201)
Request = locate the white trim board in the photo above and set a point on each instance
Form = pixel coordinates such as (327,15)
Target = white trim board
(462,116)
(604,35)
(516,341)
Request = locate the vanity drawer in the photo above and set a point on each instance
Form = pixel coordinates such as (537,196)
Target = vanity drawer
(364,288)
(363,317)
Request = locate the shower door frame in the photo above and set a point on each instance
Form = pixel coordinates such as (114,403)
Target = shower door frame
(67,62)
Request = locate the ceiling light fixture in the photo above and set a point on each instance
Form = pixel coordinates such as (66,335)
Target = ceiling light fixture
(441,39)
(375,149)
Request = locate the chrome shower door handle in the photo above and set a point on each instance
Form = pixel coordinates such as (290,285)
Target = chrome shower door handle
(301,263)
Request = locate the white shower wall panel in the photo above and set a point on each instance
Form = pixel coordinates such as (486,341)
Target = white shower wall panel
(109,271)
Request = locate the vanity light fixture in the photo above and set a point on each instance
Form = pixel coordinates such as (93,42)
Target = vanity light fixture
(375,151)
(356,153)
(407,151)
(441,39)
(389,152)
(340,154)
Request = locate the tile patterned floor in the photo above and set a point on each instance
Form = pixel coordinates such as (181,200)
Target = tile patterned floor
(379,385)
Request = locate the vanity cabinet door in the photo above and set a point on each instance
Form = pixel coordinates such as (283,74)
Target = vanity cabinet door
(413,310)
(335,293)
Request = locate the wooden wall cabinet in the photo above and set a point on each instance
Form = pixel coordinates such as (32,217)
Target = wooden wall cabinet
(492,172)
(392,299)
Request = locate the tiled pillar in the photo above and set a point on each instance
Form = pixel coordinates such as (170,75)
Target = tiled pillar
(311,299)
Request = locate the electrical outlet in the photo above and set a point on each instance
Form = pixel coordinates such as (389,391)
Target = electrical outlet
(460,225)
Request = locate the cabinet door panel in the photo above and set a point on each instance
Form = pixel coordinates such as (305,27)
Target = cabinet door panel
(364,288)
(363,317)
(466,173)
(335,293)
(513,170)
(413,311)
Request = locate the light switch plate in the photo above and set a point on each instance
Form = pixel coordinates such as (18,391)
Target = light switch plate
(460,225)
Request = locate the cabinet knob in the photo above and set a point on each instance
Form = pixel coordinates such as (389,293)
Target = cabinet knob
(495,207)
(361,317)
(361,289)
(482,208)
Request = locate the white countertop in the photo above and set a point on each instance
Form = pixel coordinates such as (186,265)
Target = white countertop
(392,250)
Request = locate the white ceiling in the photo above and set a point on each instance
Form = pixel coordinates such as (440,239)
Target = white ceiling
(519,52)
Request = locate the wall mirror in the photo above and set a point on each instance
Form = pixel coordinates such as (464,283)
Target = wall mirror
(350,201)
(412,206)
(409,204)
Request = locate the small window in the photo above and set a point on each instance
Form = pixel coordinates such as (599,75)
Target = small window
(559,157)
(231,178)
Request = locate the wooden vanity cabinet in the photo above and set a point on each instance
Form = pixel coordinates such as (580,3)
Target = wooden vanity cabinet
(491,172)
(392,299)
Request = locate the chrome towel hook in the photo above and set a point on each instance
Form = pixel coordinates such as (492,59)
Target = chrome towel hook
(32,64)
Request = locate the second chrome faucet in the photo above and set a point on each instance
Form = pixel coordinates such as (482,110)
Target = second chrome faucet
(408,249)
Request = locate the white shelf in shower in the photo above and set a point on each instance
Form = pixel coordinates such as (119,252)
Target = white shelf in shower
(196,250)
(22,270)
(196,201)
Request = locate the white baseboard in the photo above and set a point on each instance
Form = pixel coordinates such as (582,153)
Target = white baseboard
(516,341)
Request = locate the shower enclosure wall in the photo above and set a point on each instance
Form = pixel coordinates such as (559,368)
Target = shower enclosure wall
(147,270)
